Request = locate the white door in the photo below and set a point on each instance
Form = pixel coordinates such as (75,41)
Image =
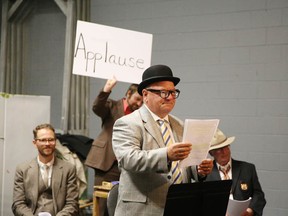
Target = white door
(20,114)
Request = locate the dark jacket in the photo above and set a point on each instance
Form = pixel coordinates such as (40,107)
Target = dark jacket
(245,184)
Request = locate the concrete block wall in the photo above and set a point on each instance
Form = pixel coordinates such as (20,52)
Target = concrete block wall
(44,60)
(232,58)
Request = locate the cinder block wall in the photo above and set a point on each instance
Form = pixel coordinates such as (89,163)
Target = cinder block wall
(232,58)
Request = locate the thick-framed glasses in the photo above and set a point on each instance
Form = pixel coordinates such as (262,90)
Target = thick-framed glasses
(44,141)
(165,93)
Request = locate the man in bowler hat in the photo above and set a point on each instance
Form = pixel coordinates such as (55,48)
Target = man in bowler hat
(147,163)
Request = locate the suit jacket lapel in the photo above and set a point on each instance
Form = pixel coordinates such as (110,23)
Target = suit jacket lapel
(235,174)
(215,172)
(151,126)
(153,129)
(177,129)
(56,178)
(33,178)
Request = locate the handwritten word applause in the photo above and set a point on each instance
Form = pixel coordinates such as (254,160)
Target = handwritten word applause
(106,57)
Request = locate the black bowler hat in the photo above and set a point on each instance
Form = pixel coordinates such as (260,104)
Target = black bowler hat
(156,73)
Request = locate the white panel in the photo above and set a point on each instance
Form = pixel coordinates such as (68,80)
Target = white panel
(22,114)
(1,179)
(2,100)
(2,105)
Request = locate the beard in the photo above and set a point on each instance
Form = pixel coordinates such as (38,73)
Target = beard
(48,151)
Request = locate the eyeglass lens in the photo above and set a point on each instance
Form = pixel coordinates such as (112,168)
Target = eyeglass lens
(166,93)
(49,140)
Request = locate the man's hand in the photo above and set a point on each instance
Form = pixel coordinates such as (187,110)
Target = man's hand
(205,167)
(248,212)
(110,84)
(178,151)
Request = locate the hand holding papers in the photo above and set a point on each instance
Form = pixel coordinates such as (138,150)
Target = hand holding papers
(200,133)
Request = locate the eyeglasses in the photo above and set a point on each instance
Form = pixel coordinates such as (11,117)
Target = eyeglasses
(44,141)
(166,93)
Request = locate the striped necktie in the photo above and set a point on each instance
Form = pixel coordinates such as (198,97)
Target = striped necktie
(225,172)
(176,172)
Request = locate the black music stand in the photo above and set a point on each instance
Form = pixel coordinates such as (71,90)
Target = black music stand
(198,199)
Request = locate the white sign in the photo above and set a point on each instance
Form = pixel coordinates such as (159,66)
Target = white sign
(104,51)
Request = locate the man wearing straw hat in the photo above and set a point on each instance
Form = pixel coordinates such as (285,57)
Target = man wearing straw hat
(244,177)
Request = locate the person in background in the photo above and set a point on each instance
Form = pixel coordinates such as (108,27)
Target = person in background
(148,147)
(47,183)
(245,182)
(101,156)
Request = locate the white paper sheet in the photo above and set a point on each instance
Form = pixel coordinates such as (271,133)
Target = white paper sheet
(200,133)
(236,207)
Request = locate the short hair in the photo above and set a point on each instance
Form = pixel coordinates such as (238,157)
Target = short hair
(132,89)
(42,126)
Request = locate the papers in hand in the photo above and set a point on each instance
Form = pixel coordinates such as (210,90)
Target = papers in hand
(200,133)
(237,207)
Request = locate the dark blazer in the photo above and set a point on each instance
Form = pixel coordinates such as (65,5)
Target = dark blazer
(101,155)
(245,184)
(64,188)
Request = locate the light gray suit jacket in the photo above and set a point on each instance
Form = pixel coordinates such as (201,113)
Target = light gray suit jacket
(142,157)
(64,188)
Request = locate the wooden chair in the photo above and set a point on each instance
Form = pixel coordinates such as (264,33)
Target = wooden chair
(100,191)
(84,206)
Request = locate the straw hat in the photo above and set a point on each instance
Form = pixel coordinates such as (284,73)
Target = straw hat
(220,140)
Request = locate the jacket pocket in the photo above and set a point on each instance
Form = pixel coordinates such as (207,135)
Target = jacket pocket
(133,197)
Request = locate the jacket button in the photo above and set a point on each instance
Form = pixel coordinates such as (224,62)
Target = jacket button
(169,177)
